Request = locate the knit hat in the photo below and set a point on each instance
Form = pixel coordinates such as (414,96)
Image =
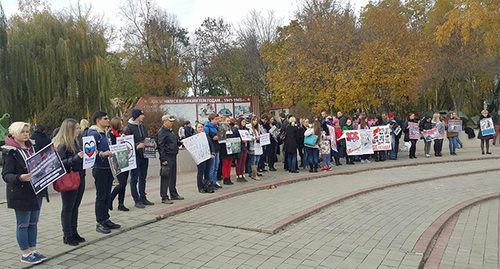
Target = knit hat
(136,113)
(391,115)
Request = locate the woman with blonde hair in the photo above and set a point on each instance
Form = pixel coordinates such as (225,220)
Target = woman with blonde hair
(291,145)
(20,194)
(255,149)
(68,146)
(438,143)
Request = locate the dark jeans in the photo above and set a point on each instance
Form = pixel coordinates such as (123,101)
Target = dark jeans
(167,183)
(203,176)
(413,147)
(301,154)
(139,174)
(271,153)
(120,189)
(27,227)
(103,180)
(312,155)
(71,201)
(263,157)
(292,161)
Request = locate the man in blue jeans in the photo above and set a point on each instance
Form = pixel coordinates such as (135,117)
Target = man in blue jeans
(101,172)
(139,131)
(211,131)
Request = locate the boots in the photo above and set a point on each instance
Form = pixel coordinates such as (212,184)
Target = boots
(122,207)
(254,173)
(145,201)
(227,181)
(311,168)
(70,240)
(315,168)
(337,161)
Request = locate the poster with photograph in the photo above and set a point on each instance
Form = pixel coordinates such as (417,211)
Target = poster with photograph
(233,145)
(198,148)
(119,162)
(265,139)
(221,132)
(382,138)
(204,110)
(487,127)
(150,148)
(45,167)
(432,134)
(128,141)
(242,109)
(358,142)
(245,135)
(455,126)
(333,139)
(89,151)
(274,131)
(413,130)
(225,110)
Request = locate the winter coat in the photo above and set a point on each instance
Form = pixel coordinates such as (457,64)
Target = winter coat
(291,139)
(102,145)
(140,132)
(20,194)
(480,134)
(211,131)
(451,134)
(41,139)
(167,144)
(70,159)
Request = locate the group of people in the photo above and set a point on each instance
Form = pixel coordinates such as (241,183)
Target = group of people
(311,139)
(67,140)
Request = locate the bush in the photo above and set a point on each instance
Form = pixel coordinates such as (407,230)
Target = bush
(57,111)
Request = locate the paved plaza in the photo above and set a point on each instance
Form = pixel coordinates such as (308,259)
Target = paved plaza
(430,212)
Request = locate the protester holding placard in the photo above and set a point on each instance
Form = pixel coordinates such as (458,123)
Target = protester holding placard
(255,149)
(379,154)
(303,124)
(211,130)
(20,194)
(485,139)
(312,138)
(426,124)
(102,172)
(290,147)
(438,143)
(263,128)
(203,176)
(225,156)
(119,190)
(272,149)
(168,149)
(347,127)
(70,151)
(408,137)
(241,161)
(452,136)
(136,127)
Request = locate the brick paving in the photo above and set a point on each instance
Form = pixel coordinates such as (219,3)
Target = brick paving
(205,239)
(470,240)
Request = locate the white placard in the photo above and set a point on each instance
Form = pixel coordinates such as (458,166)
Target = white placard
(198,148)
(129,142)
(245,135)
(265,139)
(89,151)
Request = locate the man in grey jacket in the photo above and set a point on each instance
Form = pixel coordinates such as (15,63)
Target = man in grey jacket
(168,149)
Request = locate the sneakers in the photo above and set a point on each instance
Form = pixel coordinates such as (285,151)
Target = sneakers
(324,169)
(166,201)
(31,258)
(101,228)
(427,155)
(112,225)
(39,255)
(177,198)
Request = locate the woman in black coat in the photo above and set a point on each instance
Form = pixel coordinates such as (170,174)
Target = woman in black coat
(291,145)
(413,147)
(119,190)
(485,139)
(70,150)
(20,194)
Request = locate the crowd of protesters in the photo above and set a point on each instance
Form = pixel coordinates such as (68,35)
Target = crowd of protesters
(305,143)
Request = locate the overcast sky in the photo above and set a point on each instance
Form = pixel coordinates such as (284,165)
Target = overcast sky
(190,12)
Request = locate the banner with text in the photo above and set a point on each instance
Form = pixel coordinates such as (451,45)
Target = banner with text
(358,142)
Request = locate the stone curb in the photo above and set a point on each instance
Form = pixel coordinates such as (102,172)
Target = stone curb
(309,211)
(424,243)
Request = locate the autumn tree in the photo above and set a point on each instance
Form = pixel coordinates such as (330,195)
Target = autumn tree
(154,41)
(3,61)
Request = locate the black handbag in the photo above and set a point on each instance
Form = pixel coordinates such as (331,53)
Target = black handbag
(164,170)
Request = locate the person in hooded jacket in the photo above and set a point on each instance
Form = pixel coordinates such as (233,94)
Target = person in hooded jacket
(139,131)
(40,137)
(211,131)
(20,194)
(71,153)
(485,139)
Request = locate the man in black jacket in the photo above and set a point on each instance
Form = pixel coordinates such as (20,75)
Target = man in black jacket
(139,131)
(168,149)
